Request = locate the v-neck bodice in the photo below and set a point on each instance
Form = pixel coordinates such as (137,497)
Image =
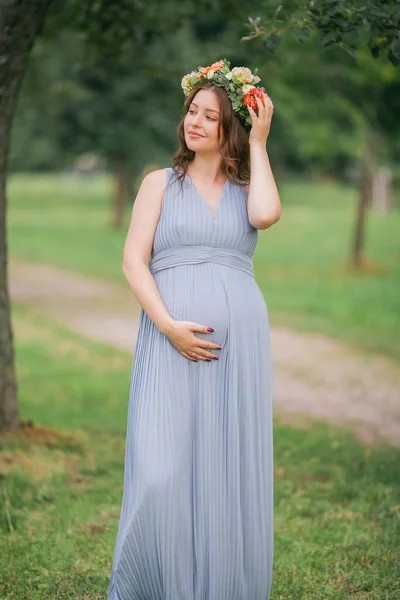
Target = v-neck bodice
(186,218)
(213,212)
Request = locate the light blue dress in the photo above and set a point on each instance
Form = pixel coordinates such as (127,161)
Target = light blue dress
(196,520)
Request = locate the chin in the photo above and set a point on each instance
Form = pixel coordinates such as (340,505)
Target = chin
(192,144)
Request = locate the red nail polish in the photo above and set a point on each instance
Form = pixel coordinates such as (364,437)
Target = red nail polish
(210,329)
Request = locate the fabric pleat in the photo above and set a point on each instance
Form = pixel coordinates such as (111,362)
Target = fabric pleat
(196,519)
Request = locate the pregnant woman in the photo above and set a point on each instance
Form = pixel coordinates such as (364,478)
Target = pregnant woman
(196,521)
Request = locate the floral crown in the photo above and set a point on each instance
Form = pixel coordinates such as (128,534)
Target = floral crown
(237,82)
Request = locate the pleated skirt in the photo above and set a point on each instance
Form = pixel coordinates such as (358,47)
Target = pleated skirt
(196,520)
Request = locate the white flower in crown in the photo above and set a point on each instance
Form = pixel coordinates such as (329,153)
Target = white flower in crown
(210,74)
(186,82)
(246,88)
(256,79)
(228,75)
(242,74)
(185,85)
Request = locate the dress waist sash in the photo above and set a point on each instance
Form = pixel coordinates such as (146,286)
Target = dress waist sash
(185,255)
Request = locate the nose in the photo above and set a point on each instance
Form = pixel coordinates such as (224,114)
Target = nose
(195,119)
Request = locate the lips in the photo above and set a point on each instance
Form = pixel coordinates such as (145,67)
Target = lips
(195,133)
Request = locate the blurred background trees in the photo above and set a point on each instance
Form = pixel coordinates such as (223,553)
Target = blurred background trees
(96,86)
(106,80)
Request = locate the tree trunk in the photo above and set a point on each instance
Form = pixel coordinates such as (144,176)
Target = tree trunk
(20,22)
(121,192)
(365,195)
(381,189)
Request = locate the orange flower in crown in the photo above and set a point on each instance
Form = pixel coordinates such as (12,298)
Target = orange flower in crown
(238,83)
(214,67)
(250,98)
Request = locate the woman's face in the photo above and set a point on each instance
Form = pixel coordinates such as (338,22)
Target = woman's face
(202,118)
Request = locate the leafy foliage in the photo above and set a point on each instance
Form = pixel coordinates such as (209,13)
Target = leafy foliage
(350,24)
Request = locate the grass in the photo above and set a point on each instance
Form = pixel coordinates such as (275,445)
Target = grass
(301,263)
(336,501)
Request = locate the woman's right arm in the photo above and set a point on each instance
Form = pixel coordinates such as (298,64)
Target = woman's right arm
(139,242)
(137,250)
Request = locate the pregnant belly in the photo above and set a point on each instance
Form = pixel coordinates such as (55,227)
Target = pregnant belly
(214,296)
(196,293)
(211,310)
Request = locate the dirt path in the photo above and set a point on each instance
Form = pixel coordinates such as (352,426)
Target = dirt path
(314,376)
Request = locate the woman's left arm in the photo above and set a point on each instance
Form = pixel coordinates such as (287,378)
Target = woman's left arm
(263,202)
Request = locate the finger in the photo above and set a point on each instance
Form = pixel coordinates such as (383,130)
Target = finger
(260,103)
(206,345)
(265,109)
(269,101)
(197,353)
(204,358)
(253,115)
(203,354)
(193,326)
(204,349)
(186,355)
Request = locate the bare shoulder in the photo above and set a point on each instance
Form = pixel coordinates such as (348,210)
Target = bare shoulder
(156,180)
(146,212)
(151,190)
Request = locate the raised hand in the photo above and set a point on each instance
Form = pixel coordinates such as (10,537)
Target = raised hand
(261,122)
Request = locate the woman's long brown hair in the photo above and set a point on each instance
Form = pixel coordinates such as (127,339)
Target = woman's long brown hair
(235,149)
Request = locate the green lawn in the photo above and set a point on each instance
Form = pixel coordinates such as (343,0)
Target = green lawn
(336,501)
(300,263)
